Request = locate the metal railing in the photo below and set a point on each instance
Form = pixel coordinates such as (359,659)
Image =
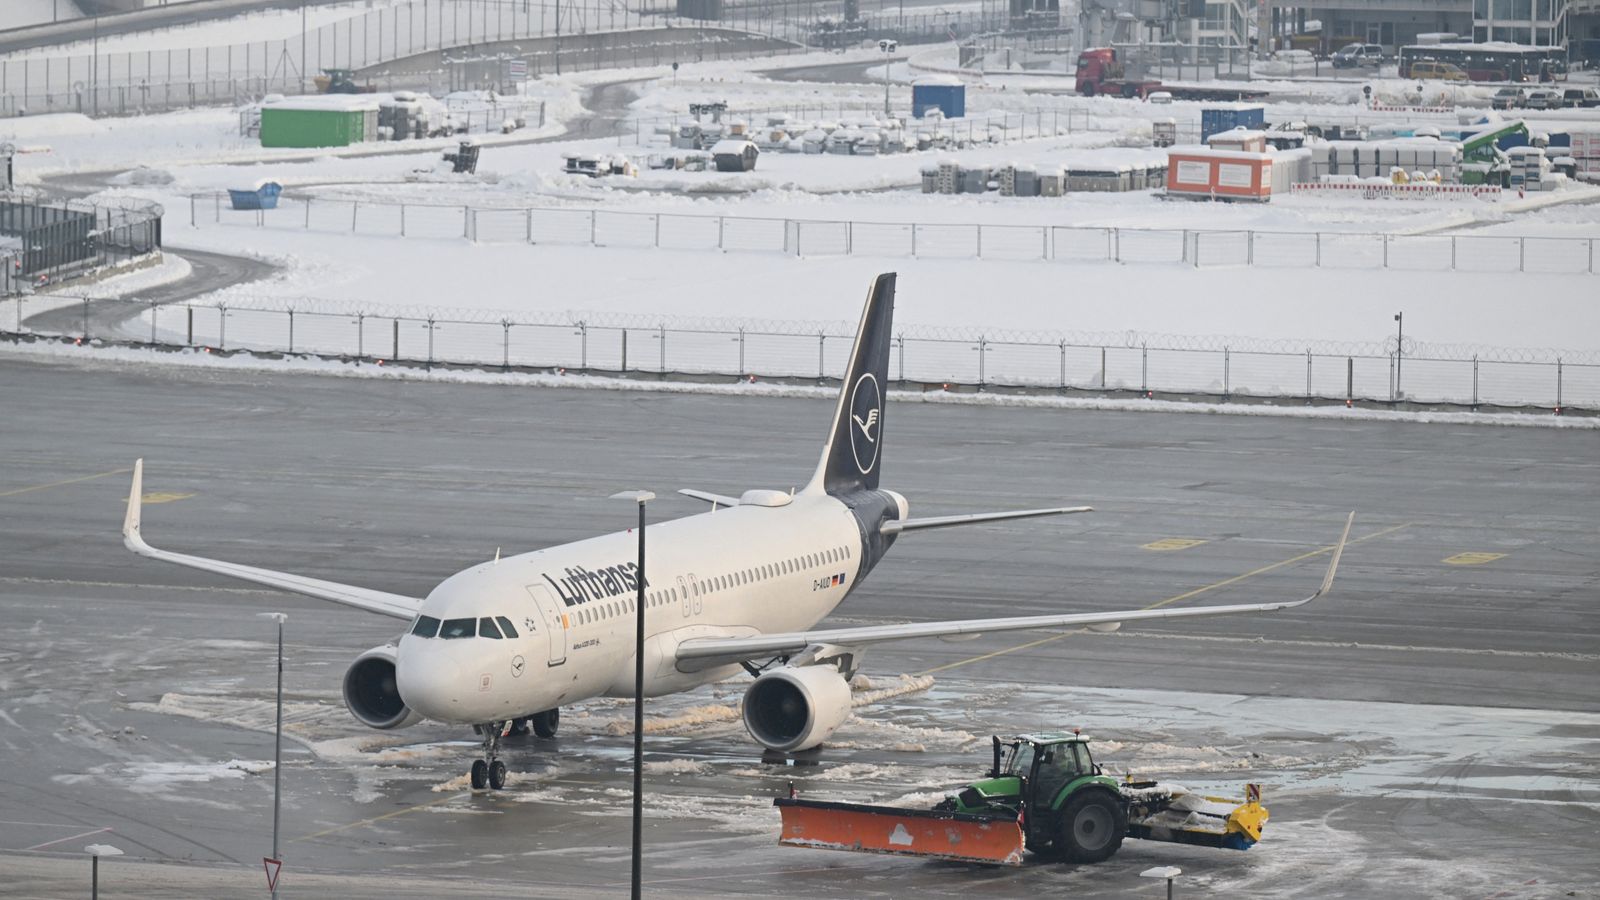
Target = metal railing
(63,238)
(921,357)
(809,237)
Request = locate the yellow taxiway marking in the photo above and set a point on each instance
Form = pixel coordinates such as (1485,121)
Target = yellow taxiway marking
(40,487)
(388,815)
(1472,558)
(1172,544)
(162,497)
(1170,600)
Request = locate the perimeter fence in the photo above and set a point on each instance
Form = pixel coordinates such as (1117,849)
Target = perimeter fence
(812,237)
(1126,364)
(49,240)
(95,77)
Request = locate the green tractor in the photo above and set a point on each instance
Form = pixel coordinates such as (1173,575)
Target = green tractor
(1045,794)
(1067,807)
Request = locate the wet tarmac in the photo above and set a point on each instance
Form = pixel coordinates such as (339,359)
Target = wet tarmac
(1428,730)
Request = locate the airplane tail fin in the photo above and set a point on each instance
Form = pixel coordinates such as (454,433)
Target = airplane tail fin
(854,451)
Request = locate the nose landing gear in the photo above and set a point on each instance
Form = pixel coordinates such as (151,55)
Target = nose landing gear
(489,772)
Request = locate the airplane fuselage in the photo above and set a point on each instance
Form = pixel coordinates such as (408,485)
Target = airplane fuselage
(732,572)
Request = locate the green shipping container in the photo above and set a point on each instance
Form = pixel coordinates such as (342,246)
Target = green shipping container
(290,127)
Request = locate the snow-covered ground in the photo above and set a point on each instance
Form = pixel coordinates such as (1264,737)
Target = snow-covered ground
(1278,305)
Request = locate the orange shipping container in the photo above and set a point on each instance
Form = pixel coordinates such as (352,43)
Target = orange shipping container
(1224,174)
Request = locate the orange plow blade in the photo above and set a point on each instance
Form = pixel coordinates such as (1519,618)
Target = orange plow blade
(903,832)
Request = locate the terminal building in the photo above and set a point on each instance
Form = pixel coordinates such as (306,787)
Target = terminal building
(1574,24)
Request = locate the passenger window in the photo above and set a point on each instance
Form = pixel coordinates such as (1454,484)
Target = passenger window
(487,628)
(458,628)
(427,626)
(506,627)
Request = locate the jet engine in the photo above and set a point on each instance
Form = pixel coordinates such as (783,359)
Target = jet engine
(796,708)
(371,694)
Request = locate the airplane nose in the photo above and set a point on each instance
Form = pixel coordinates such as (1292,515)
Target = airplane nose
(429,682)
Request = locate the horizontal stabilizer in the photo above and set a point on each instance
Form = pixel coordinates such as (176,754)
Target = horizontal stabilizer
(895,527)
(381,602)
(707,496)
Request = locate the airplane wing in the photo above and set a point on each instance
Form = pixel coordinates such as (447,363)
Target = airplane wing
(394,605)
(705,652)
(899,525)
(707,496)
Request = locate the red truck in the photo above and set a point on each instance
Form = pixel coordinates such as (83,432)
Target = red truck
(1101,72)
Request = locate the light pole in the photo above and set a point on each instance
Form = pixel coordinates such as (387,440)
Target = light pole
(888,47)
(303,45)
(96,851)
(641,498)
(1399,349)
(277,748)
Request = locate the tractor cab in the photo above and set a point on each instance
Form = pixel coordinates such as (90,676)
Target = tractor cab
(1045,763)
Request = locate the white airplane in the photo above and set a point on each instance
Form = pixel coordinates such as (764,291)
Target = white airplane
(513,640)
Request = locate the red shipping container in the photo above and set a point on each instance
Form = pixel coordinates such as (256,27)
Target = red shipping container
(1226,174)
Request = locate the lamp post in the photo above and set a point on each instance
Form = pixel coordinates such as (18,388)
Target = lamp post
(277,747)
(888,47)
(1399,349)
(96,851)
(303,43)
(641,498)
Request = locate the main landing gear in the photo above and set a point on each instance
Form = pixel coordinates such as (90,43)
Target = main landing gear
(490,772)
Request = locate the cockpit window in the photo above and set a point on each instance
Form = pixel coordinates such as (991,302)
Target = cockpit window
(506,627)
(458,628)
(427,626)
(487,628)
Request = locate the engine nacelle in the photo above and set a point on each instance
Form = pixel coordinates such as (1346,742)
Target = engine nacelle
(371,694)
(796,708)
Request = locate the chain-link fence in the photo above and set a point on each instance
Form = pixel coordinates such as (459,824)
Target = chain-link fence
(811,237)
(57,239)
(926,358)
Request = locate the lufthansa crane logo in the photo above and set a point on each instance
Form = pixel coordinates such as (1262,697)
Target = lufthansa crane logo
(866,414)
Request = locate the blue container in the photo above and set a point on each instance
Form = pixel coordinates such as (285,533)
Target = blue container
(263,197)
(1230,116)
(946,94)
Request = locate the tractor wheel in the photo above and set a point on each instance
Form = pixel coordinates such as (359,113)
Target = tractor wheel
(1093,824)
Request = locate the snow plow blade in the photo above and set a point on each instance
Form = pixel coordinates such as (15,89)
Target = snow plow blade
(995,840)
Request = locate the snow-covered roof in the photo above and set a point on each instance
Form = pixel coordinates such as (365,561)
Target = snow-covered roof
(936,80)
(1211,153)
(735,146)
(331,102)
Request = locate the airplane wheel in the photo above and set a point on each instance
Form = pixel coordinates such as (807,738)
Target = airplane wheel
(497,775)
(519,728)
(480,774)
(545,723)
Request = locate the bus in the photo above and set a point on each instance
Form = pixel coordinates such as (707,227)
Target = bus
(1491,62)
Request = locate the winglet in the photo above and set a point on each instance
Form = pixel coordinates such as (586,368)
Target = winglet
(1333,564)
(130,522)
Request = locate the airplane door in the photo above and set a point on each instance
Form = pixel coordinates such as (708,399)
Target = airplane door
(699,593)
(683,588)
(555,622)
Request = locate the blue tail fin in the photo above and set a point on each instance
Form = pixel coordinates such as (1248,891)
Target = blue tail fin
(854,451)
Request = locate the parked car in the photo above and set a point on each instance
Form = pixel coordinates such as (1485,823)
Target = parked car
(1439,71)
(1545,98)
(1509,98)
(1351,56)
(1159,97)
(1581,97)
